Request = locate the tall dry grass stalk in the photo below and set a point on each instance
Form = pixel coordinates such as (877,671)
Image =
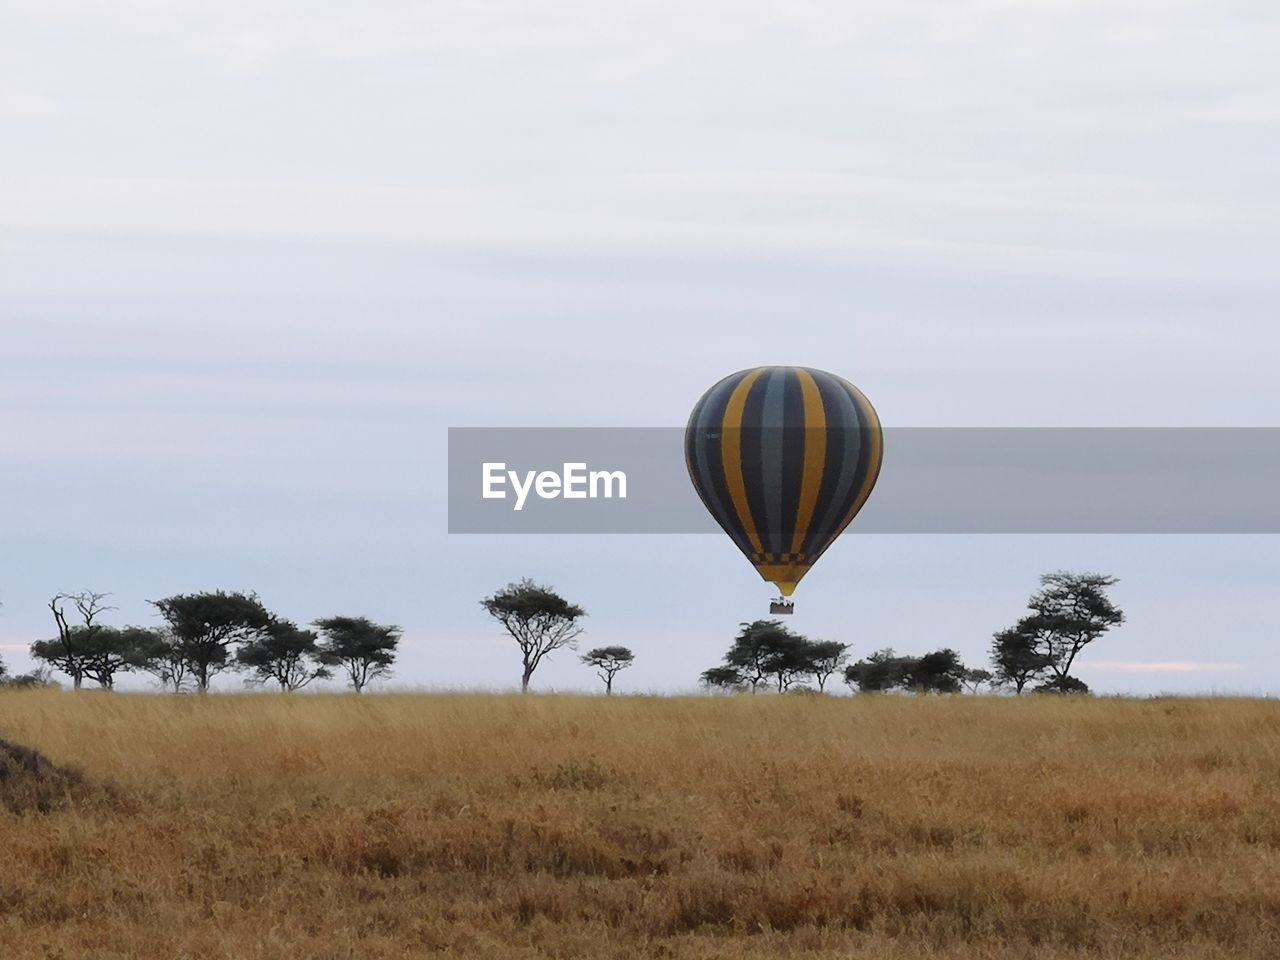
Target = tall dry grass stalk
(316,826)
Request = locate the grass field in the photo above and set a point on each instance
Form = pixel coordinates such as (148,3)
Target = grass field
(314,826)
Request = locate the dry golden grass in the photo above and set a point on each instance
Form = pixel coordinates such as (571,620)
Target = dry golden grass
(506,826)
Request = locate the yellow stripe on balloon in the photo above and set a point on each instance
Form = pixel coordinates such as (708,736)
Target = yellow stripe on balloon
(815,455)
(731,455)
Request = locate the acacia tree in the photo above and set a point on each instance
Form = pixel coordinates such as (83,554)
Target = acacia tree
(788,659)
(825,658)
(757,651)
(1074,610)
(767,651)
(938,672)
(975,677)
(61,654)
(1062,684)
(1016,655)
(722,678)
(162,657)
(538,619)
(67,653)
(608,661)
(285,653)
(104,654)
(364,650)
(205,627)
(882,670)
(1068,612)
(113,650)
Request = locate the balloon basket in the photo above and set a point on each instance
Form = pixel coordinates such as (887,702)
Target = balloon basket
(782,605)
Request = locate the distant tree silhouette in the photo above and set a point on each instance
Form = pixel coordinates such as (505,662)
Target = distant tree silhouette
(1068,612)
(789,659)
(767,651)
(1062,684)
(538,619)
(1074,611)
(975,677)
(364,650)
(285,653)
(938,672)
(725,678)
(882,670)
(66,652)
(206,626)
(61,654)
(163,658)
(98,654)
(826,657)
(759,650)
(608,661)
(1016,655)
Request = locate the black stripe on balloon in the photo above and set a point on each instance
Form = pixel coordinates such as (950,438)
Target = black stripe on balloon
(690,438)
(773,459)
(870,426)
(692,458)
(795,440)
(752,460)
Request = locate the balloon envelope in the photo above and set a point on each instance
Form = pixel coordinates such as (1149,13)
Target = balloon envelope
(783,458)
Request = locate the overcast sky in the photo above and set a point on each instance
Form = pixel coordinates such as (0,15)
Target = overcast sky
(257,257)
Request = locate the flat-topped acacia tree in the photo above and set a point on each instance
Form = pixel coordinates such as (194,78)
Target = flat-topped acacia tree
(538,619)
(97,654)
(826,657)
(286,654)
(608,661)
(766,652)
(362,649)
(205,626)
(1068,612)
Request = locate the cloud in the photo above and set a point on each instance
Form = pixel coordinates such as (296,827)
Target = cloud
(887,130)
(1161,666)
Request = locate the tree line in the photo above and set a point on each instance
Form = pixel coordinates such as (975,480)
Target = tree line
(203,634)
(1068,612)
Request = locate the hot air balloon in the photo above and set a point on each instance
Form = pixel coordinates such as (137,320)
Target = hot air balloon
(783,458)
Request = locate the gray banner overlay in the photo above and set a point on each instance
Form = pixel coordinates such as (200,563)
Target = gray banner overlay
(934,480)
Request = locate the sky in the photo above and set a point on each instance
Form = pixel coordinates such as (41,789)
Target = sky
(256,258)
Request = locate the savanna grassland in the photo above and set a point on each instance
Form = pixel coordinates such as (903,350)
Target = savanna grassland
(315,826)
